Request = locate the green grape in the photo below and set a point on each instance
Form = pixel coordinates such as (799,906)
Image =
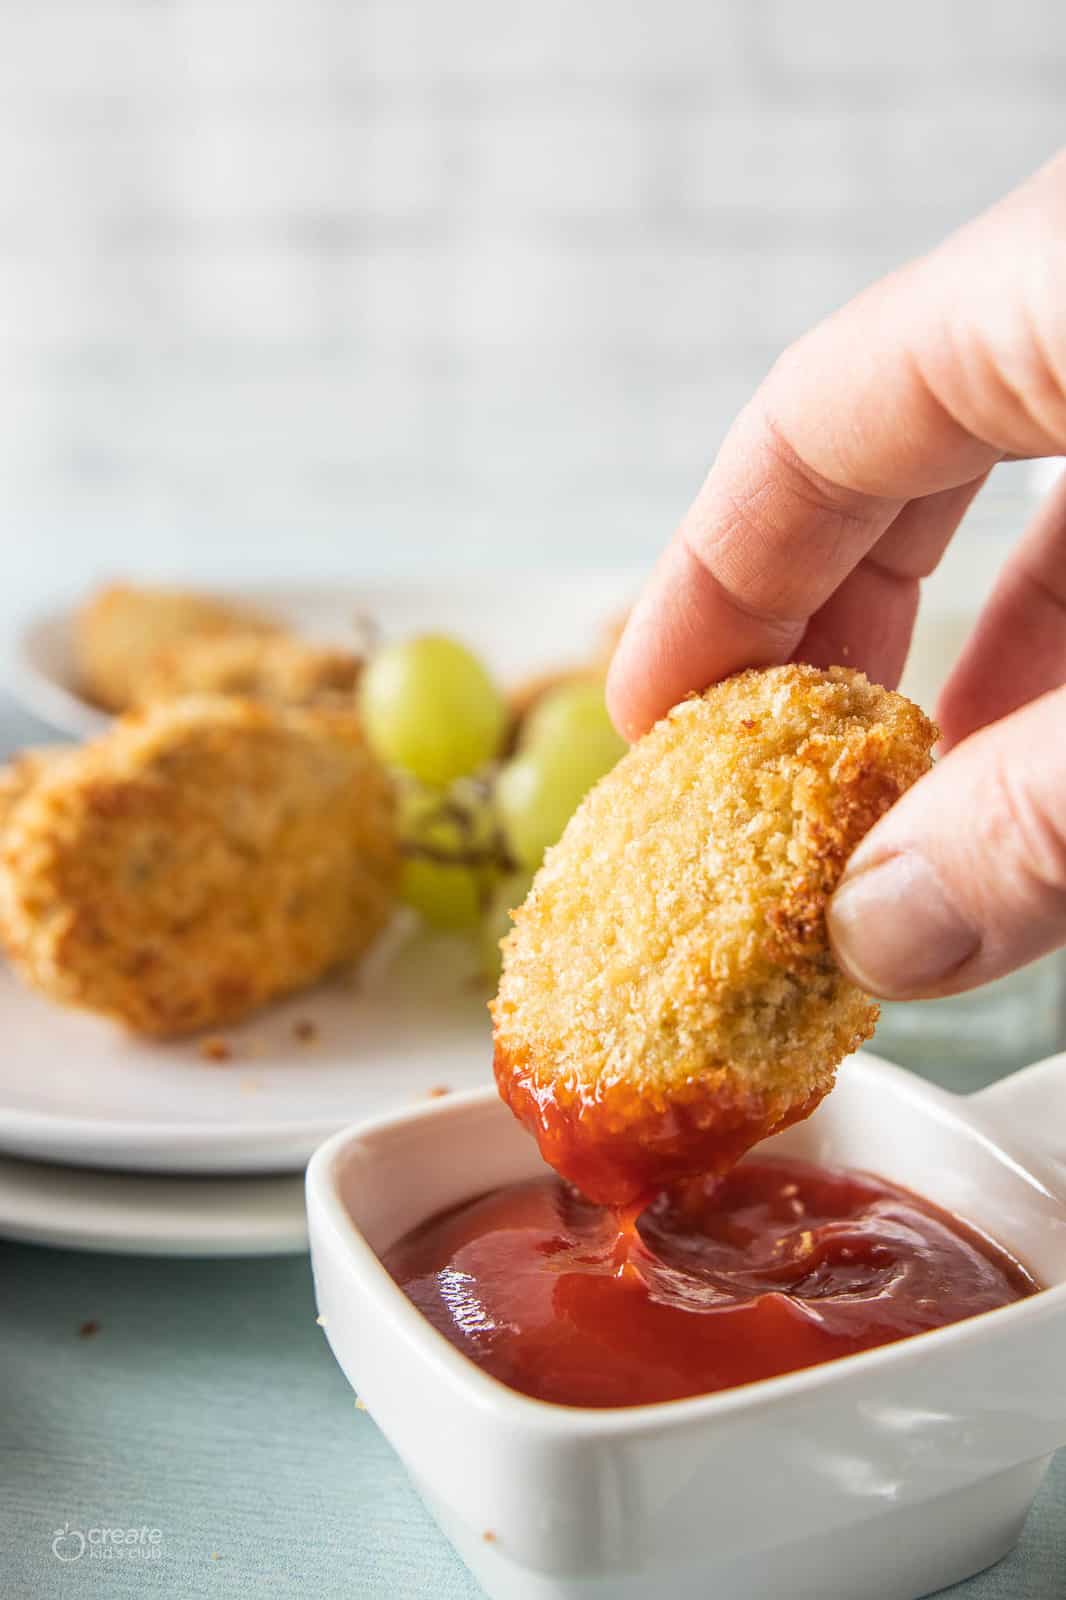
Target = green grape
(534,805)
(452,852)
(446,897)
(575,715)
(430,707)
(568,744)
(496,921)
(537,793)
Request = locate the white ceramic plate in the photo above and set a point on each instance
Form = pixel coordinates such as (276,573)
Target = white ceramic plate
(522,623)
(81,1210)
(75,1089)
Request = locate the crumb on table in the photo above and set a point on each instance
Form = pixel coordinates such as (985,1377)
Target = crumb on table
(305,1030)
(89,1329)
(437,1089)
(488,1536)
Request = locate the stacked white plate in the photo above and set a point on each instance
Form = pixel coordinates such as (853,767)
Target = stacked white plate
(116,1143)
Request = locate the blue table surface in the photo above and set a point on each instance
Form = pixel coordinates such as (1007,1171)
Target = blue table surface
(206,1407)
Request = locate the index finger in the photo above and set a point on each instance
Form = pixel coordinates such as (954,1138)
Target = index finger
(912,389)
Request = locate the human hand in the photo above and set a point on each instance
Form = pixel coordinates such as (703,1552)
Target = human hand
(835,492)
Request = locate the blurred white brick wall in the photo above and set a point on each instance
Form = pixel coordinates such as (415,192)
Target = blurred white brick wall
(323,285)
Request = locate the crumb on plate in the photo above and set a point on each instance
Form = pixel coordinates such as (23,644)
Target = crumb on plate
(216,1048)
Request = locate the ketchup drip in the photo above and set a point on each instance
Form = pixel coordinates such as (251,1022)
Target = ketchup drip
(777,1266)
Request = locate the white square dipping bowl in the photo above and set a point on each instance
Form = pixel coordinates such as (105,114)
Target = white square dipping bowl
(886,1475)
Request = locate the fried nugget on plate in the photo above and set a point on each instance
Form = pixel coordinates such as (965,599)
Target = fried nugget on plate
(200,859)
(668,995)
(277,667)
(22,772)
(122,628)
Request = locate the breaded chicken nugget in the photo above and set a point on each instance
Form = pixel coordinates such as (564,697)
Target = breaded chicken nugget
(198,860)
(20,774)
(122,628)
(275,667)
(668,996)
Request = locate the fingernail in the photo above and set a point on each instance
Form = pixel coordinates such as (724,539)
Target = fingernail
(895,929)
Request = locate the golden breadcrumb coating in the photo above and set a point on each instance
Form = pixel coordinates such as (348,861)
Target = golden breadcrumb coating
(275,667)
(201,858)
(122,628)
(20,774)
(668,995)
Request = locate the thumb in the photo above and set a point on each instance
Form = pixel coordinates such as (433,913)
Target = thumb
(965,878)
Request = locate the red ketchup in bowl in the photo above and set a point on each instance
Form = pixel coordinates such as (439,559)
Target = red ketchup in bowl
(777,1266)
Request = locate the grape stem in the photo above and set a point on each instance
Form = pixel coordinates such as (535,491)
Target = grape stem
(496,853)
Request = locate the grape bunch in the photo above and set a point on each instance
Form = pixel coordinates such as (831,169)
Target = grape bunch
(480,799)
